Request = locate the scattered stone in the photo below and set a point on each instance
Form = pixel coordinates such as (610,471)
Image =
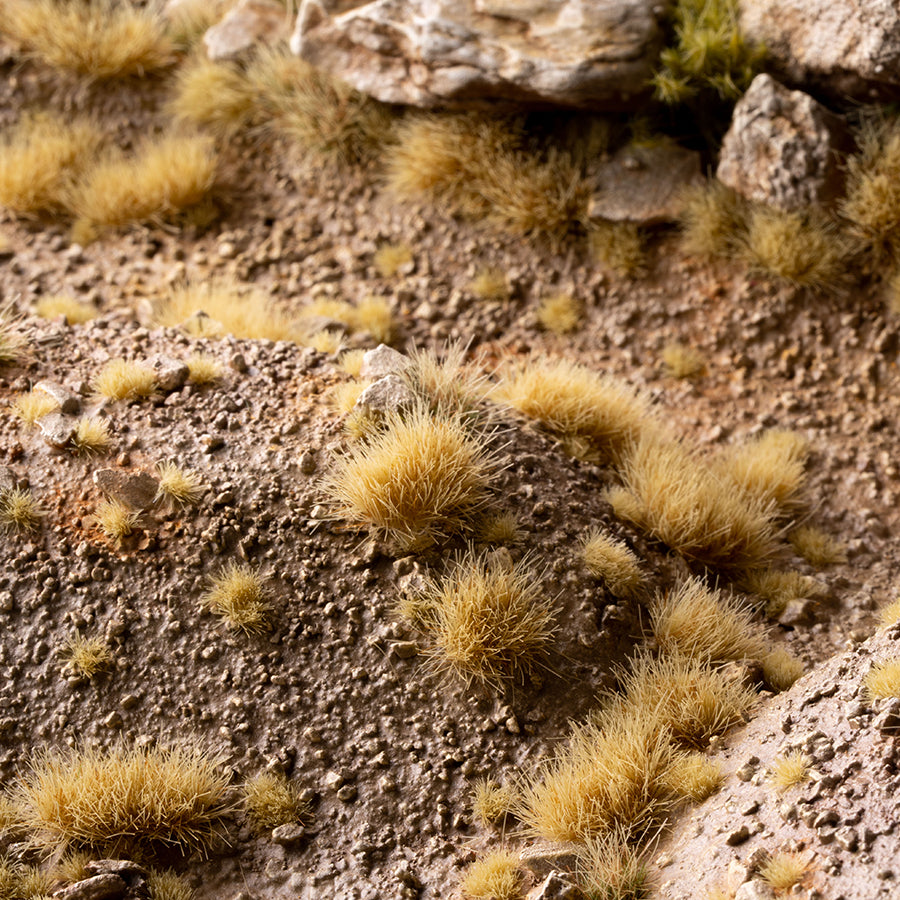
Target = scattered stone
(98,887)
(121,867)
(289,835)
(798,612)
(251,22)
(8,480)
(69,402)
(783,148)
(308,464)
(738,836)
(404,649)
(171,374)
(545,857)
(135,489)
(754,890)
(383,361)
(388,395)
(57,429)
(347,793)
(556,887)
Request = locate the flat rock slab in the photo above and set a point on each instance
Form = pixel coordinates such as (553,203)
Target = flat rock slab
(56,429)
(99,887)
(135,489)
(576,53)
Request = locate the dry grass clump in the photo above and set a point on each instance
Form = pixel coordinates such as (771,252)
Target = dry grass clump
(443,380)
(98,38)
(343,396)
(33,405)
(39,157)
(713,219)
(126,798)
(500,528)
(492,802)
(271,800)
(611,867)
(164,176)
(780,669)
(817,547)
(789,770)
(890,613)
(238,595)
(682,361)
(695,777)
(390,258)
(213,95)
(12,343)
(559,314)
(182,486)
(487,620)
(490,284)
(214,308)
(779,588)
(611,774)
(116,520)
(688,505)
(495,876)
(372,315)
(613,562)
(121,379)
(883,679)
(785,869)
(422,477)
(204,368)
(351,362)
(164,885)
(76,312)
(18,880)
(327,342)
(572,401)
(617,246)
(87,656)
(697,621)
(20,510)
(92,436)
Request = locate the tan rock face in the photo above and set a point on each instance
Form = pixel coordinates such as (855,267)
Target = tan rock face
(849,46)
(576,53)
(250,22)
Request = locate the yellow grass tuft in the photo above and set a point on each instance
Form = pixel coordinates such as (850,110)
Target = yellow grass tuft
(617,246)
(495,876)
(500,528)
(713,220)
(121,379)
(87,656)
(164,176)
(490,284)
(424,476)
(697,621)
(77,312)
(212,95)
(682,361)
(611,867)
(239,596)
(97,38)
(390,258)
(613,562)
(492,802)
(204,368)
(883,679)
(168,886)
(372,314)
(789,770)
(271,800)
(344,396)
(570,400)
(780,588)
(890,613)
(124,799)
(351,362)
(695,777)
(20,510)
(817,547)
(559,314)
(182,486)
(116,520)
(442,378)
(785,869)
(72,867)
(780,669)
(327,342)
(33,405)
(40,156)
(92,436)
(488,620)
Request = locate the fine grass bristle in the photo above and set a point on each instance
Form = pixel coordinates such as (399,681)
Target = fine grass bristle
(20,510)
(116,520)
(487,620)
(559,314)
(713,220)
(890,613)
(500,528)
(271,800)
(784,869)
(164,176)
(212,95)
(344,396)
(351,362)
(697,621)
(422,477)
(92,436)
(883,679)
(685,503)
(490,284)
(778,588)
(238,595)
(443,380)
(87,655)
(492,802)
(390,258)
(98,39)
(570,400)
(613,562)
(617,246)
(204,368)
(372,315)
(165,885)
(817,547)
(789,770)
(33,405)
(12,343)
(76,312)
(495,876)
(41,155)
(125,799)
(34,883)
(327,342)
(229,308)
(611,867)
(121,379)
(682,361)
(780,669)
(182,486)
(72,867)
(695,777)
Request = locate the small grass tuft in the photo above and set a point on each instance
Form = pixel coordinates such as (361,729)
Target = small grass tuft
(611,867)
(121,379)
(490,284)
(212,95)
(613,562)
(271,800)
(682,361)
(883,679)
(789,770)
(500,528)
(116,520)
(33,405)
(443,380)
(20,510)
(238,596)
(779,588)
(695,777)
(780,669)
(492,802)
(559,314)
(785,869)
(713,220)
(87,656)
(182,486)
(817,547)
(92,436)
(617,246)
(351,362)
(890,613)
(204,369)
(327,342)
(165,885)
(390,258)
(496,876)
(76,312)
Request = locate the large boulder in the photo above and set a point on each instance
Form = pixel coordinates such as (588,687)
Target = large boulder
(783,148)
(847,46)
(426,53)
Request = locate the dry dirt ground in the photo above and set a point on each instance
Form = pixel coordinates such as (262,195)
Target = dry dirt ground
(336,695)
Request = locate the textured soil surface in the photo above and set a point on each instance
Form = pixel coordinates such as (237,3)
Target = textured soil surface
(339,695)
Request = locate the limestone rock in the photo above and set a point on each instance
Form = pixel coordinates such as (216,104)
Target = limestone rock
(387,395)
(251,22)
(783,148)
(99,887)
(381,361)
(556,887)
(576,53)
(69,403)
(171,373)
(847,46)
(135,489)
(56,429)
(644,184)
(755,890)
(545,857)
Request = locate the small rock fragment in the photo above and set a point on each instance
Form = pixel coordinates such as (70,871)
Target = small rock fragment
(136,489)
(545,857)
(69,402)
(755,890)
(251,22)
(171,374)
(382,361)
(390,394)
(98,887)
(556,887)
(57,429)
(289,835)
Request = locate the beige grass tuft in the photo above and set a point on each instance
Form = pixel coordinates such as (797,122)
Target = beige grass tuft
(495,876)
(165,885)
(182,486)
(492,802)
(204,369)
(890,613)
(87,656)
(611,867)
(790,770)
(713,220)
(780,669)
(682,361)
(212,95)
(559,314)
(92,436)
(271,800)
(30,406)
(500,528)
(490,284)
(817,547)
(390,258)
(883,679)
(695,777)
(443,379)
(121,379)
(617,246)
(116,520)
(779,588)
(76,312)
(238,595)
(785,869)
(20,510)
(613,562)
